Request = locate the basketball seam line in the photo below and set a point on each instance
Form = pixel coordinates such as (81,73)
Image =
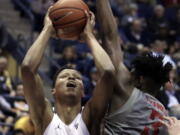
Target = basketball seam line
(69,22)
(56,19)
(65,8)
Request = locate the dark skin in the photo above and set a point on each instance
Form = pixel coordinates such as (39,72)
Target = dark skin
(111,42)
(68,89)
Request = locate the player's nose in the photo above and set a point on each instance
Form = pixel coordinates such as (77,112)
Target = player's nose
(71,77)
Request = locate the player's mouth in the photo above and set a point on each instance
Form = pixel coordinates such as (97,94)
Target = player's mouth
(71,84)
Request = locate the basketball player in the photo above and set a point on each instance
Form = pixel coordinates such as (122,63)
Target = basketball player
(69,118)
(133,109)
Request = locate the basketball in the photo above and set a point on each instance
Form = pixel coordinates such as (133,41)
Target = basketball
(68,18)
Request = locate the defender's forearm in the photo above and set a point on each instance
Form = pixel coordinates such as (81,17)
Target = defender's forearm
(109,32)
(35,53)
(108,23)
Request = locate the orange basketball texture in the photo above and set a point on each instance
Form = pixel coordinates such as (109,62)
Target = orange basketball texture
(68,18)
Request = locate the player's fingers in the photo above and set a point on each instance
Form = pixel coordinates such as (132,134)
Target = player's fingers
(174,119)
(92,15)
(169,119)
(49,9)
(87,14)
(164,123)
(47,14)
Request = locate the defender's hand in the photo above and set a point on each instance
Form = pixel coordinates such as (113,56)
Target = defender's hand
(172,125)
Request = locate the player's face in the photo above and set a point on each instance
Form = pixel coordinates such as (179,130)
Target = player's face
(69,83)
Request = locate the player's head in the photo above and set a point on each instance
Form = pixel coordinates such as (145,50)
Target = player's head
(68,86)
(151,71)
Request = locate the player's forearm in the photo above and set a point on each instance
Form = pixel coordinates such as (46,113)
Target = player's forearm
(35,53)
(102,60)
(108,24)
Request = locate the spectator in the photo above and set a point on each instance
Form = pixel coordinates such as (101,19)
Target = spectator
(6,108)
(170,3)
(19,102)
(39,8)
(119,7)
(136,33)
(158,20)
(25,124)
(170,97)
(18,132)
(174,49)
(164,33)
(130,15)
(69,57)
(129,55)
(175,24)
(6,128)
(5,79)
(159,46)
(3,35)
(145,7)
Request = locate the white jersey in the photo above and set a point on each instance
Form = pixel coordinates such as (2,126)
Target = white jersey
(58,127)
(140,115)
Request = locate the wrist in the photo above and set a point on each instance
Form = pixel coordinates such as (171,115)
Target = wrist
(48,29)
(89,36)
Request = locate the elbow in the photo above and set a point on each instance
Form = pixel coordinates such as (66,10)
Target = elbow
(110,70)
(26,67)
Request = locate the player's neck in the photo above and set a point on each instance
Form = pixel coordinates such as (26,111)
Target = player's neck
(67,113)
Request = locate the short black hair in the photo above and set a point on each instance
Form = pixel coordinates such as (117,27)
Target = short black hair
(152,66)
(60,70)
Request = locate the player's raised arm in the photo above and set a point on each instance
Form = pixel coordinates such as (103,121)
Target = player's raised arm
(96,107)
(111,43)
(109,31)
(102,60)
(33,87)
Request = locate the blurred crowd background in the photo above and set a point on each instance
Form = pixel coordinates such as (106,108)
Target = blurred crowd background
(144,25)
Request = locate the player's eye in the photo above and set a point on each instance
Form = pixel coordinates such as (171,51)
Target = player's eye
(63,76)
(79,78)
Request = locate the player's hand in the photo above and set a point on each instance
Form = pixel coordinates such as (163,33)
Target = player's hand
(88,30)
(90,23)
(48,24)
(172,125)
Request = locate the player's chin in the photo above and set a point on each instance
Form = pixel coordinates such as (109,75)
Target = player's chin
(71,92)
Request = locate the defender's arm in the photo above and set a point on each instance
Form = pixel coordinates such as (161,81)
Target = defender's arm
(109,30)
